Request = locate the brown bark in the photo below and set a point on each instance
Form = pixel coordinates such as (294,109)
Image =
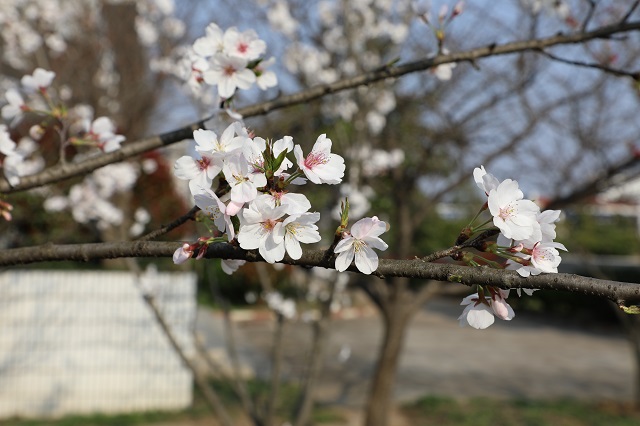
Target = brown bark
(396,318)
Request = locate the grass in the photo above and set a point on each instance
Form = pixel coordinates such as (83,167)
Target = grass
(430,410)
(443,411)
(258,390)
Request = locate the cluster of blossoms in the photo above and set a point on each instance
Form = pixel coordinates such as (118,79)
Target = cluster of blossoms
(230,60)
(525,241)
(40,105)
(253,197)
(443,72)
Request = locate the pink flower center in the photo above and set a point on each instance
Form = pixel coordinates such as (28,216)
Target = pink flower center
(229,70)
(243,47)
(268,225)
(507,211)
(314,159)
(203,163)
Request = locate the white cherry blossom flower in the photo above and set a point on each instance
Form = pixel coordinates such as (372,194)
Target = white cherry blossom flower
(15,104)
(479,314)
(246,45)
(211,43)
(476,314)
(7,145)
(484,180)
(228,143)
(40,80)
(102,131)
(515,217)
(364,236)
(260,229)
(182,254)
(201,170)
(265,78)
(211,205)
(293,203)
(243,182)
(229,74)
(300,229)
(321,166)
(544,258)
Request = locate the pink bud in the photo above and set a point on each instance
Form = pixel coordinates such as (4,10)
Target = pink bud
(182,254)
(457,10)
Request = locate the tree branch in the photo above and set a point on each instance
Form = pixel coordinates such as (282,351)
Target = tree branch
(620,292)
(62,172)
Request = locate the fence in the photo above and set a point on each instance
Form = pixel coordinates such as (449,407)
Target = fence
(85,342)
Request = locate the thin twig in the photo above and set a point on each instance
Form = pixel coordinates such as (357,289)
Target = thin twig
(613,71)
(190,215)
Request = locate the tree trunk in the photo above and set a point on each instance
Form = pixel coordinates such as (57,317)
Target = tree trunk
(396,319)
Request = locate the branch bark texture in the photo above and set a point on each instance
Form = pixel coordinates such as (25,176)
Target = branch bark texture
(622,293)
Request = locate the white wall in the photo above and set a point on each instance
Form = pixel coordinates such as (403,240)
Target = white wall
(84,342)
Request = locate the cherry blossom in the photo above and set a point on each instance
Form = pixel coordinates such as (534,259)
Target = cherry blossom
(544,257)
(201,171)
(244,184)
(211,205)
(211,43)
(300,229)
(229,74)
(183,253)
(245,45)
(15,105)
(40,80)
(230,141)
(515,217)
(480,310)
(265,78)
(293,203)
(321,166)
(102,131)
(484,180)
(260,229)
(358,244)
(7,145)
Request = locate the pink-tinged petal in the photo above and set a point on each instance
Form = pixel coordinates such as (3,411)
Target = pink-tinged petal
(502,309)
(344,259)
(376,243)
(182,254)
(233,208)
(368,227)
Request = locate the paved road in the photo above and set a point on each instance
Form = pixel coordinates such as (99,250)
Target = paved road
(528,357)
